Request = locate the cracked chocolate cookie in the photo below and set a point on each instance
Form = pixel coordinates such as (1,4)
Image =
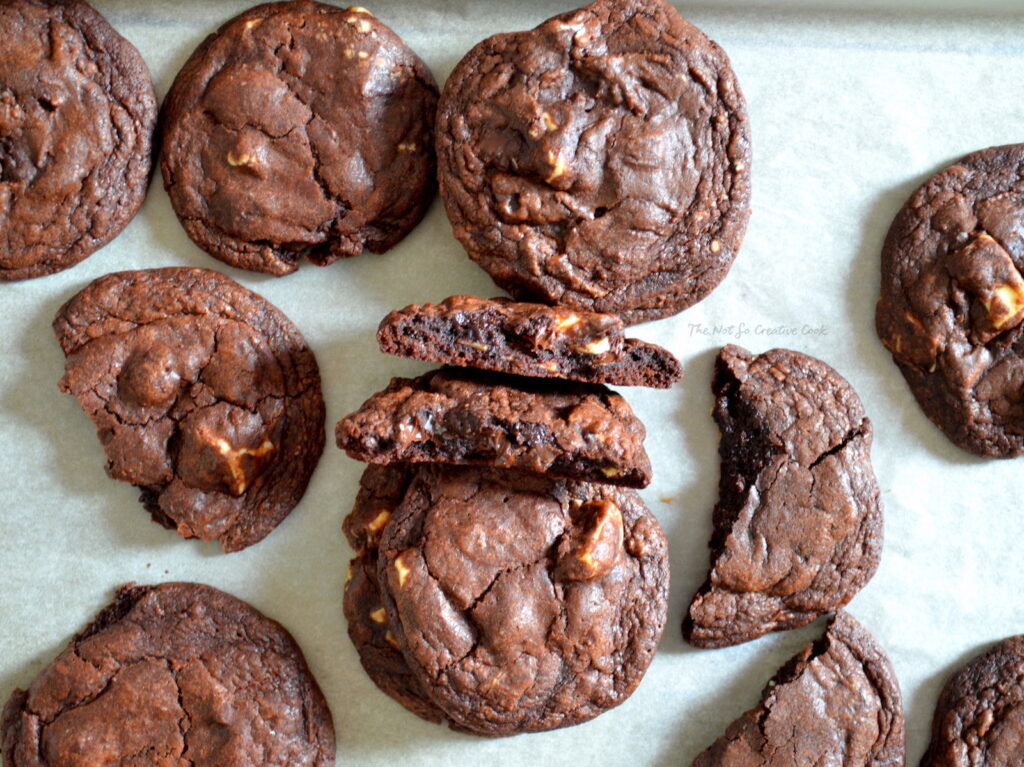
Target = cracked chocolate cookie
(952,302)
(836,703)
(979,719)
(469,417)
(381,489)
(601,160)
(528,340)
(798,525)
(522,603)
(77,114)
(204,396)
(299,129)
(178,673)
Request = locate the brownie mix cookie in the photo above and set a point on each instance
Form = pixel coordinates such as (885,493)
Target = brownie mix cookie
(381,490)
(527,339)
(299,128)
(523,603)
(979,720)
(798,525)
(952,302)
(601,160)
(468,417)
(836,703)
(77,114)
(203,394)
(173,674)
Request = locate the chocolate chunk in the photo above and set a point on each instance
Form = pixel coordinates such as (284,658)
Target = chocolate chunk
(178,673)
(952,304)
(77,115)
(299,128)
(483,419)
(979,719)
(798,526)
(203,394)
(493,622)
(528,340)
(836,703)
(600,161)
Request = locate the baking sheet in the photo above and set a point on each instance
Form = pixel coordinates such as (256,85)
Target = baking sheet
(850,111)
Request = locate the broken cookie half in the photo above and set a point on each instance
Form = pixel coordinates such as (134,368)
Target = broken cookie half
(837,702)
(798,525)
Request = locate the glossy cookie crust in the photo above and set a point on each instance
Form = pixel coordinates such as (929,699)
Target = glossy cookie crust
(600,161)
(204,395)
(952,304)
(77,115)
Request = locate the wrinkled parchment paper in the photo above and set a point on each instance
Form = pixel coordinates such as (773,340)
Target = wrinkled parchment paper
(850,111)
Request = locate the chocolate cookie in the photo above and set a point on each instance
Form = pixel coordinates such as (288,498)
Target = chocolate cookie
(299,129)
(952,303)
(599,161)
(473,418)
(203,394)
(77,114)
(381,489)
(979,720)
(798,525)
(528,340)
(523,603)
(836,703)
(173,674)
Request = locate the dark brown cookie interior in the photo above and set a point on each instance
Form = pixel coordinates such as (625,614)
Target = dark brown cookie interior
(798,527)
(527,339)
(168,674)
(476,418)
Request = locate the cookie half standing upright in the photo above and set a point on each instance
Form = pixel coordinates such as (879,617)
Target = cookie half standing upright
(77,115)
(299,129)
(172,674)
(204,395)
(528,340)
(798,525)
(835,703)
(979,719)
(522,603)
(475,418)
(600,161)
(952,304)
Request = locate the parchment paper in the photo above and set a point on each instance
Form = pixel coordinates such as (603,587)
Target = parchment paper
(850,111)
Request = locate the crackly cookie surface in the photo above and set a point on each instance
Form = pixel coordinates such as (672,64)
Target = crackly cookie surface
(469,417)
(523,603)
(203,394)
(601,160)
(836,704)
(175,674)
(798,525)
(979,719)
(381,490)
(527,339)
(952,301)
(299,128)
(77,114)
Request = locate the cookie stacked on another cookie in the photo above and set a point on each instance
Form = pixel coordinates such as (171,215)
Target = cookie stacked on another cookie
(507,579)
